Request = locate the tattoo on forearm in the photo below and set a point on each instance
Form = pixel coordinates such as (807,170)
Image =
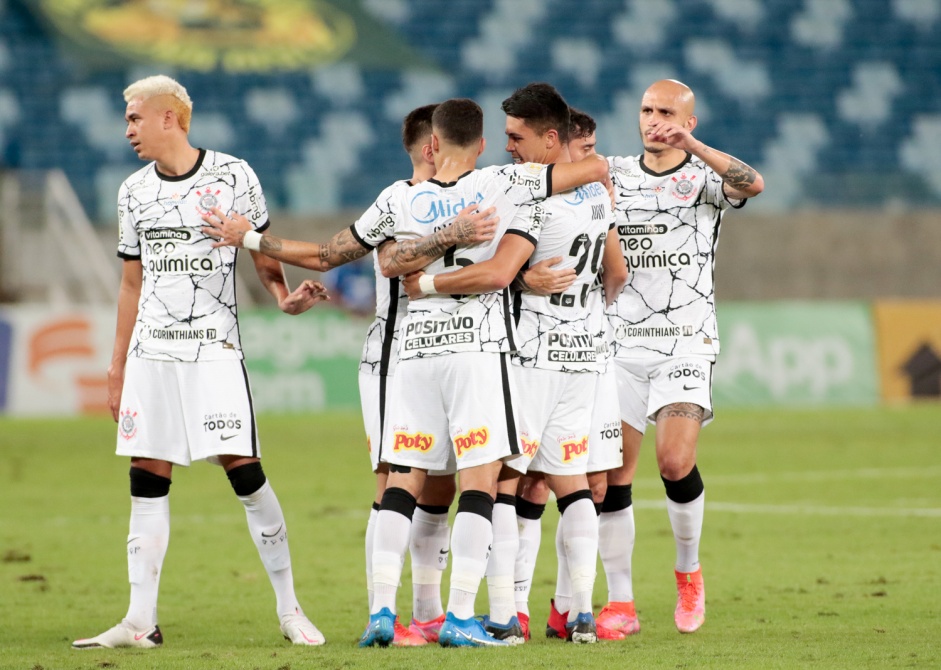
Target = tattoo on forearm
(463,230)
(342,249)
(683,410)
(739,176)
(270,243)
(407,252)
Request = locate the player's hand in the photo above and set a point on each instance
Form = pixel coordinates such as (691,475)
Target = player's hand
(671,134)
(115,387)
(229,230)
(305,296)
(410,282)
(543,280)
(473,226)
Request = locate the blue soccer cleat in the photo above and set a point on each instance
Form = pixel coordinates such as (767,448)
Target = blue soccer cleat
(380,631)
(510,632)
(466,633)
(582,630)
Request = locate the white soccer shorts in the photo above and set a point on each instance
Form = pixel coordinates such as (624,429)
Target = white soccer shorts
(554,419)
(184,412)
(646,385)
(450,411)
(605,450)
(374,397)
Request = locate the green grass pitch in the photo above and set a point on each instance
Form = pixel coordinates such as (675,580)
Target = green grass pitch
(821,548)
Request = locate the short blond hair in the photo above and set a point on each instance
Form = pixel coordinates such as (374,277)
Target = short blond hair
(160,84)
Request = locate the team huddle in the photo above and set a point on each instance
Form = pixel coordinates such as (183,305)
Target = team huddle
(531,320)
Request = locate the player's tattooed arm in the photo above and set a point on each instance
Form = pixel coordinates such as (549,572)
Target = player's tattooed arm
(341,249)
(400,257)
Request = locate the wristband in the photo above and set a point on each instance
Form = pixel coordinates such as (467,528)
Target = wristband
(252,240)
(426,284)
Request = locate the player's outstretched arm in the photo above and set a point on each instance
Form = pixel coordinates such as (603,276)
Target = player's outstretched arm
(613,269)
(491,275)
(132,275)
(230,231)
(542,279)
(566,176)
(738,179)
(305,296)
(470,227)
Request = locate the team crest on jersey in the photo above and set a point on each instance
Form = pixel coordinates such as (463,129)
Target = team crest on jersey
(208,199)
(684,188)
(126,425)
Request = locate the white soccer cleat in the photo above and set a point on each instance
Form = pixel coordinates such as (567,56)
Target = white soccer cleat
(123,635)
(298,629)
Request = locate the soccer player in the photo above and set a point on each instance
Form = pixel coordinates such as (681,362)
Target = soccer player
(554,361)
(177,385)
(451,399)
(670,202)
(370,233)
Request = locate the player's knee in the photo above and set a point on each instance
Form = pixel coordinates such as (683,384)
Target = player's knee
(616,498)
(476,502)
(529,510)
(399,500)
(674,466)
(565,501)
(685,489)
(246,479)
(145,484)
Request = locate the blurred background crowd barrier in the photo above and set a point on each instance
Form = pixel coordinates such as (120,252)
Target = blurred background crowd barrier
(829,284)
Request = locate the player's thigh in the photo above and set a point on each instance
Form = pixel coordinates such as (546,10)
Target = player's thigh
(604,441)
(151,423)
(416,433)
(538,392)
(479,403)
(633,390)
(681,380)
(564,447)
(218,410)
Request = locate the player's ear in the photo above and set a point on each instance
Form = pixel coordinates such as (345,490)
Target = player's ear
(551,138)
(691,123)
(435,144)
(483,145)
(428,153)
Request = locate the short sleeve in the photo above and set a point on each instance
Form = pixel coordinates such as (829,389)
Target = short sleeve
(250,199)
(525,183)
(128,239)
(376,224)
(528,221)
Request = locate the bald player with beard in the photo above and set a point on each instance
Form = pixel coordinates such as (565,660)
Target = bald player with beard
(669,205)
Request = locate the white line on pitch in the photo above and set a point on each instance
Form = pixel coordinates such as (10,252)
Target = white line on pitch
(810,476)
(811,510)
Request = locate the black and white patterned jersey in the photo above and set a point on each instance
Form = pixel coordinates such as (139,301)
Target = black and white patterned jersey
(555,332)
(187,309)
(380,352)
(447,324)
(668,227)
(599,325)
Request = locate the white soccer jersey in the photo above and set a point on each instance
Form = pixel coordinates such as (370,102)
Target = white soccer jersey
(554,332)
(187,309)
(668,227)
(599,325)
(380,352)
(446,324)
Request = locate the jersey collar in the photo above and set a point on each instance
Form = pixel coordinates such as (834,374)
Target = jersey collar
(646,169)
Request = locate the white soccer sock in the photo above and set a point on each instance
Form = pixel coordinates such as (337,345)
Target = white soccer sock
(470,542)
(563,580)
(269,531)
(530,532)
(147,540)
(616,547)
(388,557)
(502,562)
(370,543)
(428,545)
(579,526)
(686,519)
